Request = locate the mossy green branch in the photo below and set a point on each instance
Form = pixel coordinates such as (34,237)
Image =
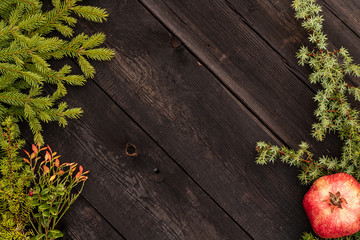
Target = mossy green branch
(15,177)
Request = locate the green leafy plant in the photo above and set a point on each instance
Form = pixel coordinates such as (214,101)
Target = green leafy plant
(52,190)
(335,111)
(15,177)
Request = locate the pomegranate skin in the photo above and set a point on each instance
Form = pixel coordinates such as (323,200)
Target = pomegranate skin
(333,206)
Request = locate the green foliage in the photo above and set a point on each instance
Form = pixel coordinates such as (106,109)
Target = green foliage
(34,197)
(25,51)
(15,177)
(302,158)
(334,112)
(310,236)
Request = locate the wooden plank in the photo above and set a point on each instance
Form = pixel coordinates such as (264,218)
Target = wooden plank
(198,122)
(275,22)
(82,221)
(342,24)
(138,202)
(245,62)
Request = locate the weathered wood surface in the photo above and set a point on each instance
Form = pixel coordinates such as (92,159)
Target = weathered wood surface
(194,85)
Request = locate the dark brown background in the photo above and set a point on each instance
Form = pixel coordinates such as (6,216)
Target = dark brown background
(194,85)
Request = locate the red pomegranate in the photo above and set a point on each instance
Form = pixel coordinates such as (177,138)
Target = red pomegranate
(333,205)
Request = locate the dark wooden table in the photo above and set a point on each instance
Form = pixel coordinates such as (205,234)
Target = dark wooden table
(171,123)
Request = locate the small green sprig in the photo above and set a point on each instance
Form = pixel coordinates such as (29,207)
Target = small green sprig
(51,191)
(302,158)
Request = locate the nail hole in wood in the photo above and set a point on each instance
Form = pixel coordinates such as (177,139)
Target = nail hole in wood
(131,150)
(175,42)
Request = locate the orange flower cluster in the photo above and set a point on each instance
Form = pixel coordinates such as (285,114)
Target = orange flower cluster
(51,164)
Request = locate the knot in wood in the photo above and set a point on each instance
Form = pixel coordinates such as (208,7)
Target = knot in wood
(131,150)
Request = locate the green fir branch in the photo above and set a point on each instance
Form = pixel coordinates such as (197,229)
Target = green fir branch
(25,51)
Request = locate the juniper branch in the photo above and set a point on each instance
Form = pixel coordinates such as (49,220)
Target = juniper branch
(334,112)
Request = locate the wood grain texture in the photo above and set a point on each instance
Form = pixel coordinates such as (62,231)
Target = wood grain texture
(274,21)
(193,86)
(82,222)
(138,202)
(342,24)
(248,64)
(198,122)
